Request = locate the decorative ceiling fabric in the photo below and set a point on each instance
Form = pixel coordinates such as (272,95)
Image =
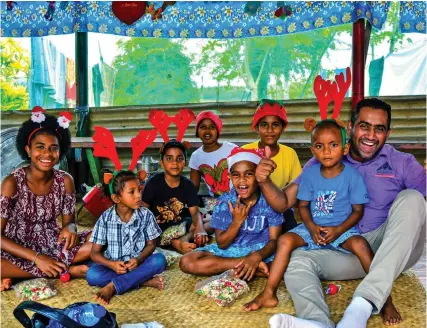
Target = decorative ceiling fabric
(413,16)
(201,19)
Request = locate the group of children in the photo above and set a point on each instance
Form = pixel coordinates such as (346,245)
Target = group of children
(250,236)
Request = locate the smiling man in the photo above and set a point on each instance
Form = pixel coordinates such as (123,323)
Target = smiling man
(393,223)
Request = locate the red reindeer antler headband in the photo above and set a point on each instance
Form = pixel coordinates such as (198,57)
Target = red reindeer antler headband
(105,145)
(161,122)
(326,91)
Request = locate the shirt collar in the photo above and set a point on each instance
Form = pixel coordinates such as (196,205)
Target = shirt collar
(116,217)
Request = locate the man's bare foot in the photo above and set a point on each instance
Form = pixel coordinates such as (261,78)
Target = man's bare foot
(155,282)
(265,299)
(5,284)
(105,294)
(390,314)
(262,270)
(78,271)
(183,247)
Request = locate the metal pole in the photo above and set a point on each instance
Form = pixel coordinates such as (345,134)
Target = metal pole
(82,104)
(358,62)
(81,173)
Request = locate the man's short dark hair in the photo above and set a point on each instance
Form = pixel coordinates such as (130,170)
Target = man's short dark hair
(373,103)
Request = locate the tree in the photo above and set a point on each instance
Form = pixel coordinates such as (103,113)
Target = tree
(15,64)
(153,71)
(292,60)
(390,33)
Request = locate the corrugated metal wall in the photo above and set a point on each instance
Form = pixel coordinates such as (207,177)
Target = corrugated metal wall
(408,122)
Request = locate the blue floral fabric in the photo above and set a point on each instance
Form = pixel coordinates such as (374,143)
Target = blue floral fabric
(413,16)
(185,19)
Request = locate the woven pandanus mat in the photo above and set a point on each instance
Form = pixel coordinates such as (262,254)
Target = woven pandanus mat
(179,306)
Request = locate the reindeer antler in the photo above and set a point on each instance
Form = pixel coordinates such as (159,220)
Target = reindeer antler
(105,146)
(324,96)
(339,93)
(182,120)
(161,122)
(139,144)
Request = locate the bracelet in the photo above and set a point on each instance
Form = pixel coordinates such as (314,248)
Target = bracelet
(35,258)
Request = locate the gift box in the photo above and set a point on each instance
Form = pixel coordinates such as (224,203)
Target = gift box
(96,202)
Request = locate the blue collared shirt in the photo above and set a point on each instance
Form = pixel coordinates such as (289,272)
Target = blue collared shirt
(125,240)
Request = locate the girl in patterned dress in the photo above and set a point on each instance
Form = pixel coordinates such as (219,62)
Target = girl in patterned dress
(32,197)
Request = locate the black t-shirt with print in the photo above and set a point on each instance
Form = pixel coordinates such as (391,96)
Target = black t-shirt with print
(169,205)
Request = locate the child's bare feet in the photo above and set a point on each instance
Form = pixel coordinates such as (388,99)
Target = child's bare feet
(5,284)
(182,246)
(265,299)
(105,294)
(78,271)
(390,314)
(155,282)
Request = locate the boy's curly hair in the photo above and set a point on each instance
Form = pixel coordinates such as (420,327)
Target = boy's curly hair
(119,182)
(49,126)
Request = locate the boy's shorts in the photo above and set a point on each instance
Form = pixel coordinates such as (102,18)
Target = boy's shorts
(302,231)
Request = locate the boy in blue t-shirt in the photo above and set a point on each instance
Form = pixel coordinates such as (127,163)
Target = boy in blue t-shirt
(331,197)
(246,227)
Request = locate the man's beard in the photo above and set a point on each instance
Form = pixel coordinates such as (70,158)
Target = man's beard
(356,151)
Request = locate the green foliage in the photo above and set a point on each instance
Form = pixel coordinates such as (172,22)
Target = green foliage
(390,33)
(15,63)
(290,59)
(13,97)
(153,71)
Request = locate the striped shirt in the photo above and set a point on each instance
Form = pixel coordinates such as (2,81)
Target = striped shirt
(125,240)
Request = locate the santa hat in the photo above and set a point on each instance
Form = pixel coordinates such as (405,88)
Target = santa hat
(269,107)
(210,115)
(64,119)
(239,154)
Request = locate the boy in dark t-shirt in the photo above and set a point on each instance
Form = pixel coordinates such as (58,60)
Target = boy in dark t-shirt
(173,200)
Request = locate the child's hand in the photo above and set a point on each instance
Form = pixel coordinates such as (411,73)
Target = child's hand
(201,237)
(265,167)
(247,268)
(331,234)
(316,234)
(240,211)
(118,267)
(49,266)
(69,236)
(132,264)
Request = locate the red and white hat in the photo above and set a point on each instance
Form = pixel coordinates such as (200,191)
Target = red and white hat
(37,114)
(239,154)
(64,119)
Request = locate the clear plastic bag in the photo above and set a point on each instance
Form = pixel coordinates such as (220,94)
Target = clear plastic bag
(173,232)
(171,256)
(224,289)
(34,289)
(209,203)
